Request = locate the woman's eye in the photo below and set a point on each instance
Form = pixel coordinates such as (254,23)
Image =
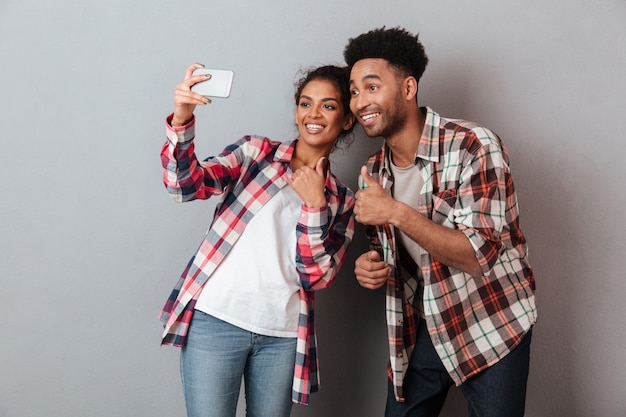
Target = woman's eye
(304,104)
(329,107)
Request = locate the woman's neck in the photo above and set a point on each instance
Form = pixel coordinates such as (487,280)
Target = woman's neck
(303,155)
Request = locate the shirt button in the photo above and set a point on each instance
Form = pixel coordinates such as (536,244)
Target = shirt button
(399,355)
(400,322)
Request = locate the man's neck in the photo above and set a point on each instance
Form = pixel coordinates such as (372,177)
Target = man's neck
(403,144)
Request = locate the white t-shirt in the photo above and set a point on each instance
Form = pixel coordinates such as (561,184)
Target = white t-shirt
(256,287)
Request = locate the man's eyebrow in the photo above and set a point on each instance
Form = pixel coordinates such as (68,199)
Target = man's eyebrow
(367,77)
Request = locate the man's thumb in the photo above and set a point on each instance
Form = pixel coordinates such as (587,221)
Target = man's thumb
(373,256)
(366,179)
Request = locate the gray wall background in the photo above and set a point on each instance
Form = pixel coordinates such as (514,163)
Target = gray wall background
(90,243)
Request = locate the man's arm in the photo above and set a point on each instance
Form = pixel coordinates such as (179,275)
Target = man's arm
(451,247)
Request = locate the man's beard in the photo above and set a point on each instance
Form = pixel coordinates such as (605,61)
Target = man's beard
(392,121)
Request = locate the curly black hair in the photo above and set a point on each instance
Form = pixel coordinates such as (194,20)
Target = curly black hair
(339,76)
(399,47)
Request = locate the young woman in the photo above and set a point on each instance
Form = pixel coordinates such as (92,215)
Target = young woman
(244,305)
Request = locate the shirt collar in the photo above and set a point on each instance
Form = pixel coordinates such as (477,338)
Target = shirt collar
(285,151)
(428,148)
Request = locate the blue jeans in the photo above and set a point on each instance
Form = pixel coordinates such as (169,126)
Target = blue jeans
(215,358)
(498,391)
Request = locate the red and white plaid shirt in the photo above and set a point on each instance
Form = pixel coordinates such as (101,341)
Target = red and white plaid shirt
(247,174)
(473,321)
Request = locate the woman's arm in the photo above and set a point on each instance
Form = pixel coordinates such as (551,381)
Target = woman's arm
(323,237)
(186,178)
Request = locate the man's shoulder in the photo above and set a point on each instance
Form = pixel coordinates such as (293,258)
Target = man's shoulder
(468,129)
(375,160)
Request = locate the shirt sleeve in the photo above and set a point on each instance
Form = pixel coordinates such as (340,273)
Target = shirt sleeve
(185,177)
(482,203)
(323,238)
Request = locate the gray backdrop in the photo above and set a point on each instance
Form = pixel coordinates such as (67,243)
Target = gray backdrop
(90,243)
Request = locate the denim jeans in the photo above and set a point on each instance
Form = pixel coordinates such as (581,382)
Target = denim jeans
(498,391)
(215,358)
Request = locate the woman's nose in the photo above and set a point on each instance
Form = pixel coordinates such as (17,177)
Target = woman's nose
(315,111)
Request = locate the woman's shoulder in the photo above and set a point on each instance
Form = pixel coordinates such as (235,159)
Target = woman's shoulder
(256,141)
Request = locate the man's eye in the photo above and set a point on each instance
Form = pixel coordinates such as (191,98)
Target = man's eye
(373,87)
(354,92)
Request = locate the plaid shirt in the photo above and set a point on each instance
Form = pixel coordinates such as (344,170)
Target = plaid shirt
(473,321)
(247,174)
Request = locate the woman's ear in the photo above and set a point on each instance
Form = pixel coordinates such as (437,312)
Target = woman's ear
(348,121)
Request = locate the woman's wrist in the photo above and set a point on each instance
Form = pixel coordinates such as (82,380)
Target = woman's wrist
(176,122)
(317,203)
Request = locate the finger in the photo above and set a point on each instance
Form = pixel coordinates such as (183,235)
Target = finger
(189,82)
(378,284)
(296,175)
(195,79)
(371,269)
(367,179)
(184,96)
(321,166)
(373,256)
(370,261)
(370,283)
(191,69)
(361,260)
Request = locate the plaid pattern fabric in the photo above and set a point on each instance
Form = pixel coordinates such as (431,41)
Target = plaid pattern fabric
(473,321)
(246,175)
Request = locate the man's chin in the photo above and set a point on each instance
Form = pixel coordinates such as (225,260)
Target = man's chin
(371,132)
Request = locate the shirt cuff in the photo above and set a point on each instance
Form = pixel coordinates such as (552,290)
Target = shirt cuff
(313,216)
(180,134)
(486,252)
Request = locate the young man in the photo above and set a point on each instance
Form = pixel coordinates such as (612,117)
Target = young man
(442,217)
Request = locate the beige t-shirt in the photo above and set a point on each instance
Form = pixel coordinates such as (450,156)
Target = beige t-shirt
(407,183)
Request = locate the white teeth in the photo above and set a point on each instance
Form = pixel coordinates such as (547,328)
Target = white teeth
(314,127)
(369,116)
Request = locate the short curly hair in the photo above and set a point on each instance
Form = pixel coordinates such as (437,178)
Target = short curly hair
(399,47)
(339,77)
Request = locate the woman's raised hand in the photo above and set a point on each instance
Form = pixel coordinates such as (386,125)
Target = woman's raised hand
(185,100)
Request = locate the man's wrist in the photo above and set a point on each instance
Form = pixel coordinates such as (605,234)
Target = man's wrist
(397,213)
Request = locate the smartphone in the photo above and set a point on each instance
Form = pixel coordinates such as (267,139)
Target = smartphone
(218,85)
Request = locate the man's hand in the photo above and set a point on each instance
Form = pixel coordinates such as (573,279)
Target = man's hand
(370,271)
(374,205)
